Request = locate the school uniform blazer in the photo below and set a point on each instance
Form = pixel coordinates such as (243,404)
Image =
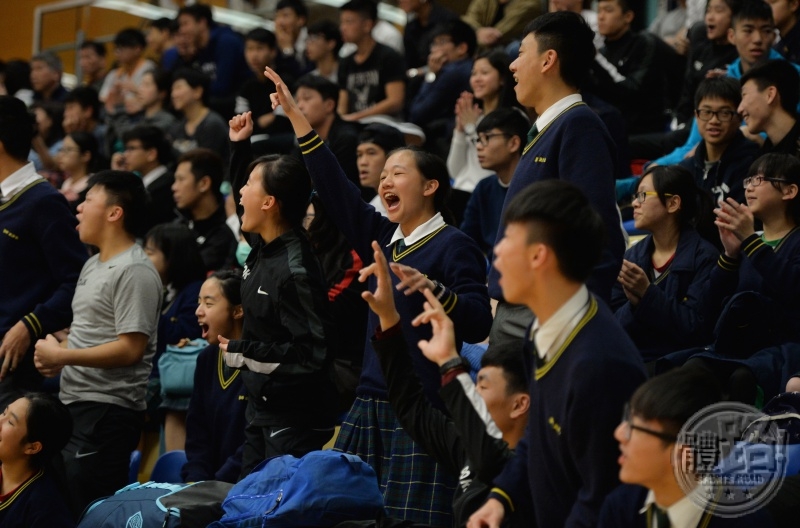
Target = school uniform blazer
(671,315)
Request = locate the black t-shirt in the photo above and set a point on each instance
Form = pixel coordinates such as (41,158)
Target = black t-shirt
(365,83)
(254,97)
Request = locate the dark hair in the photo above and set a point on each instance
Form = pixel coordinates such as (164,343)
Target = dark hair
(88,143)
(17,127)
(98,48)
(328,89)
(52,60)
(329,31)
(230,282)
(17,76)
(126,190)
(322,232)
(385,136)
(55,111)
(262,36)
(459,32)
(696,205)
(674,397)
(86,97)
(752,10)
(162,79)
(722,88)
(195,79)
(151,137)
(432,167)
(560,216)
(206,162)
(510,121)
(130,38)
(298,6)
(572,39)
(733,5)
(508,359)
(181,254)
(286,178)
(48,422)
(163,24)
(366,8)
(780,166)
(625,5)
(198,12)
(499,60)
(783,76)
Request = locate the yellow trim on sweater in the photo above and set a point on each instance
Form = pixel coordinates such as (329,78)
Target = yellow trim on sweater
(5,504)
(413,247)
(542,131)
(14,198)
(540,372)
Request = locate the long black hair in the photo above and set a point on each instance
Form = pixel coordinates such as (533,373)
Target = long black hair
(182,256)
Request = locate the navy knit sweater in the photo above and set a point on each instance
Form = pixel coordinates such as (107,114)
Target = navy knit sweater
(36,504)
(575,147)
(448,256)
(567,461)
(40,260)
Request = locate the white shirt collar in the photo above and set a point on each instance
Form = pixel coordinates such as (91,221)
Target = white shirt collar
(17,181)
(548,337)
(683,514)
(153,175)
(551,113)
(423,230)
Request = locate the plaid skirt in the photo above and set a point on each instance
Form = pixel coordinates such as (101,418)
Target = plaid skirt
(413,485)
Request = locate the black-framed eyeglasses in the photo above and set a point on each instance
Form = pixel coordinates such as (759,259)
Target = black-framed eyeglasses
(641,196)
(484,139)
(630,427)
(725,116)
(756,180)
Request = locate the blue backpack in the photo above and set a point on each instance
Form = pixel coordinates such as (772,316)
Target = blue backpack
(323,488)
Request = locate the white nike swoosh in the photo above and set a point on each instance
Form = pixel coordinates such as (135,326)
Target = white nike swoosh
(279,431)
(262,292)
(81,455)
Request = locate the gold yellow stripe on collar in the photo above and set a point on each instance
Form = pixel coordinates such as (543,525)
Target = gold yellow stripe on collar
(542,131)
(413,247)
(540,372)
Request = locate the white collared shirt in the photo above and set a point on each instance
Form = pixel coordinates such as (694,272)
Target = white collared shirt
(423,230)
(153,175)
(551,113)
(683,514)
(548,337)
(17,181)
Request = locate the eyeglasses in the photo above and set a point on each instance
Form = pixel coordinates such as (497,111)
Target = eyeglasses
(629,428)
(641,196)
(755,181)
(724,116)
(483,139)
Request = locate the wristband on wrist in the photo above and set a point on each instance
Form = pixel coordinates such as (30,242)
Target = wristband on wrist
(438,290)
(450,364)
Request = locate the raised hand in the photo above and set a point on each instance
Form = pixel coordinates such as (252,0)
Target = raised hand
(736,218)
(441,347)
(411,280)
(381,301)
(241,127)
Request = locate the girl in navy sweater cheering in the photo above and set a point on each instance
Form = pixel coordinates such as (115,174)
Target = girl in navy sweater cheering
(424,252)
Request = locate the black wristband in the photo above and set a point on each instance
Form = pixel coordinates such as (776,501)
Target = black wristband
(450,364)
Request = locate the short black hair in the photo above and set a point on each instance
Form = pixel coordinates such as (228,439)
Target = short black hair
(206,162)
(98,48)
(198,12)
(298,6)
(733,5)
(366,8)
(181,253)
(262,36)
(783,76)
(328,89)
(287,179)
(560,216)
(626,5)
(722,88)
(163,24)
(55,111)
(126,190)
(459,32)
(151,137)
(752,10)
(230,282)
(49,422)
(17,76)
(572,39)
(163,79)
(674,397)
(785,167)
(508,358)
(510,121)
(86,97)
(130,38)
(17,127)
(329,31)
(195,79)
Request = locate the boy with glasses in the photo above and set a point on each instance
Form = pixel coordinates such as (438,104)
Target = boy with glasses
(724,154)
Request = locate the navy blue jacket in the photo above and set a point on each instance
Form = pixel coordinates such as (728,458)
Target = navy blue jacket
(671,315)
(621,510)
(577,148)
(37,504)
(482,215)
(435,100)
(178,321)
(726,178)
(567,461)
